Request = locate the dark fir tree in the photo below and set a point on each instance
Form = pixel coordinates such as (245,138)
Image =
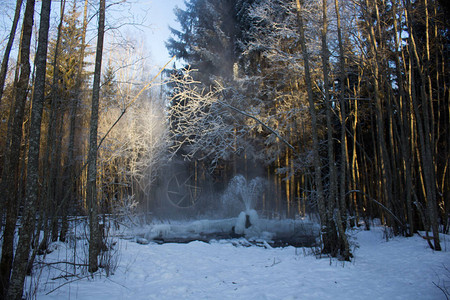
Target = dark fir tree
(207,38)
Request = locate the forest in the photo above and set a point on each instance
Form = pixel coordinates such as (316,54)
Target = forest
(341,107)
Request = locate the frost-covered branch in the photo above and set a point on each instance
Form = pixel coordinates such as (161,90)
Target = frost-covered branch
(209,123)
(259,122)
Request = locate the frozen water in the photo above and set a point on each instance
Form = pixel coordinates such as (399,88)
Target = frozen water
(241,191)
(277,232)
(247,224)
(240,223)
(158,231)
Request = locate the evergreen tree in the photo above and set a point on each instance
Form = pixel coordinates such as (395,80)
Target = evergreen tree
(108,92)
(65,75)
(68,61)
(206,40)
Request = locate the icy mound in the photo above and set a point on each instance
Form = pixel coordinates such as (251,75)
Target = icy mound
(300,232)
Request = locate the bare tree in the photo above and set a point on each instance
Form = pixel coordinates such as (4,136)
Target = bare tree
(423,116)
(343,119)
(94,243)
(19,271)
(13,140)
(333,199)
(327,228)
(12,34)
(135,149)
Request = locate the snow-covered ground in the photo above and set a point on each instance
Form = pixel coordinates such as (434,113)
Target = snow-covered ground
(401,268)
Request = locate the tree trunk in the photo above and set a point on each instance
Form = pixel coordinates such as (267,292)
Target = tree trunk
(405,128)
(12,34)
(325,230)
(70,175)
(332,199)
(92,157)
(13,140)
(341,199)
(425,134)
(384,160)
(19,271)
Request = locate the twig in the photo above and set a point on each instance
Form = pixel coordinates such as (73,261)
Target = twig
(62,262)
(380,204)
(444,291)
(262,124)
(117,283)
(275,262)
(67,282)
(65,276)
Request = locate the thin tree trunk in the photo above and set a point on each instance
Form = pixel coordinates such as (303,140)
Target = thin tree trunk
(325,230)
(405,129)
(341,204)
(384,164)
(12,34)
(19,271)
(13,140)
(50,141)
(92,157)
(425,134)
(326,82)
(70,167)
(332,192)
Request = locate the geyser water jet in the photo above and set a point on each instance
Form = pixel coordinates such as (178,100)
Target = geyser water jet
(247,193)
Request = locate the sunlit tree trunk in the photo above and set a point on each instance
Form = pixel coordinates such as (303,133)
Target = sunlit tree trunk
(423,116)
(327,239)
(384,160)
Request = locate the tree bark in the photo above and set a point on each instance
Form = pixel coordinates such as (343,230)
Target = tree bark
(341,199)
(92,157)
(325,230)
(13,140)
(49,157)
(405,128)
(332,192)
(15,289)
(384,160)
(423,117)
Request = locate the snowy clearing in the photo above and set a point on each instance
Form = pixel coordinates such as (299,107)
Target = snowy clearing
(402,268)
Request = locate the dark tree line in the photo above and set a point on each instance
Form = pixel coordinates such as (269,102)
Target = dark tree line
(355,94)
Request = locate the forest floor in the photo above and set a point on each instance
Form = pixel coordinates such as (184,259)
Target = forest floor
(398,268)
